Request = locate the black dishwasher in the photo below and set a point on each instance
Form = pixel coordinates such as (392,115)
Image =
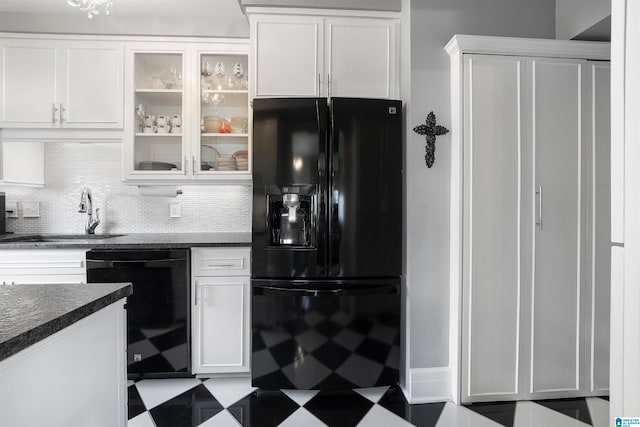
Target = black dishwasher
(158,312)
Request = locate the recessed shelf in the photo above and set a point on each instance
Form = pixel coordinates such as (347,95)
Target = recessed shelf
(151,135)
(166,97)
(227,91)
(231,98)
(224,135)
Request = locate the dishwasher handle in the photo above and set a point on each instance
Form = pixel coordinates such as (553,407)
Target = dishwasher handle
(263,289)
(109,263)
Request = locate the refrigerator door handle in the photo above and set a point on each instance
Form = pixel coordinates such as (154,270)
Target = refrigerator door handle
(333,291)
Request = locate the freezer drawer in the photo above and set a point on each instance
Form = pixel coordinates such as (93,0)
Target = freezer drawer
(325,335)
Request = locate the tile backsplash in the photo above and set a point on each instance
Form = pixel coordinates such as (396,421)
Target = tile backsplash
(70,167)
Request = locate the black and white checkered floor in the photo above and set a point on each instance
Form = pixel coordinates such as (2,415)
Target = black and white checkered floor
(233,402)
(330,351)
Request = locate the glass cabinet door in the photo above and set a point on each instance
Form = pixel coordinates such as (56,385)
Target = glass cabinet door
(224,115)
(159,108)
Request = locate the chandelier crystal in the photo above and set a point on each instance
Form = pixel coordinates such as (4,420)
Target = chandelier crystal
(92,6)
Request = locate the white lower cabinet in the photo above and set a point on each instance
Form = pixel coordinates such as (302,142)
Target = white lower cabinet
(24,266)
(220,310)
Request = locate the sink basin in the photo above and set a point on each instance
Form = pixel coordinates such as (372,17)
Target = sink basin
(61,237)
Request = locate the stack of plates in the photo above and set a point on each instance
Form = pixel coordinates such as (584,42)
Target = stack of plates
(226,164)
(242,163)
(155,166)
(242,159)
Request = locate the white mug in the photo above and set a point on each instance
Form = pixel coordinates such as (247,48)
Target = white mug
(162,120)
(149,120)
(149,129)
(176,120)
(176,129)
(164,128)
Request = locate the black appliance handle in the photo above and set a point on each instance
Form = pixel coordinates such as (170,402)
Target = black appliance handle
(329,291)
(107,263)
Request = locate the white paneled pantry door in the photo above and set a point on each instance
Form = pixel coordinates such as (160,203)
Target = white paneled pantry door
(529,228)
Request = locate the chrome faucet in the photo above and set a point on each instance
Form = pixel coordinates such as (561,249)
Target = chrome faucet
(86,206)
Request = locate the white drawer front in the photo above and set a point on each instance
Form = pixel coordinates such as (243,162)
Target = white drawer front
(28,279)
(220,262)
(42,262)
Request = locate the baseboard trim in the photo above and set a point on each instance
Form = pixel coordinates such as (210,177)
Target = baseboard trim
(428,385)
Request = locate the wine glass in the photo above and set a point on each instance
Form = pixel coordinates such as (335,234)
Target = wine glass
(140,113)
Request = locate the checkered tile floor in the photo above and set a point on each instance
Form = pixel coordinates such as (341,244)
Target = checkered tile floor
(331,352)
(161,350)
(232,402)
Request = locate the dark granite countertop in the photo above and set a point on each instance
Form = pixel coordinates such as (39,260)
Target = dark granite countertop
(123,241)
(31,313)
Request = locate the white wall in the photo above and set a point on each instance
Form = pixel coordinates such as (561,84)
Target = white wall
(575,16)
(433,23)
(236,26)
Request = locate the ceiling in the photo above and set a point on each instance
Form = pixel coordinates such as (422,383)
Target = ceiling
(178,18)
(213,9)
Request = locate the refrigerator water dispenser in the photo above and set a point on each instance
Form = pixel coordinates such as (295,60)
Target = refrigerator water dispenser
(291,219)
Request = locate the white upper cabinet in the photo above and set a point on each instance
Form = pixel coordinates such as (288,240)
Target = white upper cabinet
(287,52)
(360,57)
(61,84)
(298,53)
(93,86)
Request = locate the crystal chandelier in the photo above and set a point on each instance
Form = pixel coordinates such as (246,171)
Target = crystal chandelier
(91,6)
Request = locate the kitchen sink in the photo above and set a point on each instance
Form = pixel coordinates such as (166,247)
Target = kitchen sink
(60,237)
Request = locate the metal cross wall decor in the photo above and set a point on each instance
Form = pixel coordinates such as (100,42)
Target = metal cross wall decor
(430,129)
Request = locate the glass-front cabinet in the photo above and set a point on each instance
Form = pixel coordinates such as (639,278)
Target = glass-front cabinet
(187,113)
(159,98)
(224,114)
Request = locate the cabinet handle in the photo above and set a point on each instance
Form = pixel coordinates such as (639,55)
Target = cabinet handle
(319,82)
(62,110)
(184,166)
(329,84)
(197,292)
(193,164)
(539,193)
(54,110)
(225,264)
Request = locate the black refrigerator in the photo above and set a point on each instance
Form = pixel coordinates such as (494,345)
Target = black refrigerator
(326,255)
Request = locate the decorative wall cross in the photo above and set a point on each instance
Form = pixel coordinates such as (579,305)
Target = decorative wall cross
(430,129)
